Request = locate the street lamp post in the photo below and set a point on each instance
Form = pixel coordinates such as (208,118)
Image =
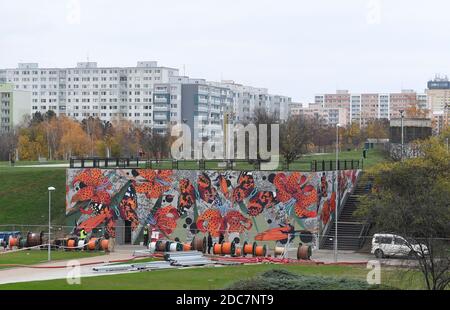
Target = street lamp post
(401,125)
(337,196)
(50,190)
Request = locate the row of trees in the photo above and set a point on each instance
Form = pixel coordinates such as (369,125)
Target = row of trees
(300,135)
(310,135)
(59,137)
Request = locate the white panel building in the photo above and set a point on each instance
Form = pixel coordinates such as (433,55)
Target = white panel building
(147,94)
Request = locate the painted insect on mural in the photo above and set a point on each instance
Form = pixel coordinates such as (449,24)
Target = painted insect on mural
(180,204)
(98,205)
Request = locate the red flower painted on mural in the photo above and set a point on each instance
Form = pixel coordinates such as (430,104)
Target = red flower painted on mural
(166,219)
(211,221)
(328,208)
(91,185)
(260,201)
(156,182)
(187,196)
(206,191)
(246,185)
(236,222)
(105,217)
(294,187)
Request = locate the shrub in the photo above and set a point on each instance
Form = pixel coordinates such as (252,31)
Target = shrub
(285,280)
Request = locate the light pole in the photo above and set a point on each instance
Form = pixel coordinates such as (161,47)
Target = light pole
(50,190)
(337,196)
(401,125)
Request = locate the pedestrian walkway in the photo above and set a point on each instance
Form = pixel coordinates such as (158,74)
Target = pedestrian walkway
(56,269)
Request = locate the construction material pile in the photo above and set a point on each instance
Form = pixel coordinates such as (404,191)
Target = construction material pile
(189,258)
(30,240)
(227,248)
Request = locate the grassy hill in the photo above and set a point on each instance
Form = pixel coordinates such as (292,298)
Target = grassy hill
(24,196)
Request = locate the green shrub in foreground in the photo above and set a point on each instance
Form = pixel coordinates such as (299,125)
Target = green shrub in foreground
(285,280)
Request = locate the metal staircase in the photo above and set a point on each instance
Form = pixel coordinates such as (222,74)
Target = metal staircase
(351,231)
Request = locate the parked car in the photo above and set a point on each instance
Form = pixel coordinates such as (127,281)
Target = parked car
(390,245)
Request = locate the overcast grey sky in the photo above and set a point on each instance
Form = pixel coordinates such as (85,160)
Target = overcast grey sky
(294,48)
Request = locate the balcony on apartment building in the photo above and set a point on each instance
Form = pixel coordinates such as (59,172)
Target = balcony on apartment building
(160,116)
(203,91)
(202,108)
(162,125)
(161,90)
(161,99)
(161,107)
(202,100)
(216,110)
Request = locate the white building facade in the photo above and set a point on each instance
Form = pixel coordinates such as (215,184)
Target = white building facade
(147,94)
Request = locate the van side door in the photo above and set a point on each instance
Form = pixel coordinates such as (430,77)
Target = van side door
(386,245)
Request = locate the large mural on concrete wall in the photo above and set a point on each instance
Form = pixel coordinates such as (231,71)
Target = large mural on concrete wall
(234,205)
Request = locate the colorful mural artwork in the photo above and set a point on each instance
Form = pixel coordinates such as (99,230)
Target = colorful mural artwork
(234,205)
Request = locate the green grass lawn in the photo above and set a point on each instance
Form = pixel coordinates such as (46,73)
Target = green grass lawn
(40,256)
(374,157)
(24,196)
(210,278)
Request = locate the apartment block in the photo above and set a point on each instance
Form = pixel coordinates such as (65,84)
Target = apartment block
(14,105)
(147,94)
(295,108)
(364,107)
(330,116)
(438,95)
(87,90)
(401,102)
(247,99)
(203,106)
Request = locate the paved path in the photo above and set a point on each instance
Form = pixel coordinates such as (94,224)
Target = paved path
(44,166)
(25,274)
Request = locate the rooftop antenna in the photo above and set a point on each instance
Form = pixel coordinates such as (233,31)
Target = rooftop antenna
(184,70)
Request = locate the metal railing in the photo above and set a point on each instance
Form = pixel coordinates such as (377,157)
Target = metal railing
(324,165)
(215,164)
(105,162)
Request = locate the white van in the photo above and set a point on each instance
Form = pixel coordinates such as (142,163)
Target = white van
(390,245)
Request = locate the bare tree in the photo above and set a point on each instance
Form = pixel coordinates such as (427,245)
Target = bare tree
(295,135)
(155,144)
(8,144)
